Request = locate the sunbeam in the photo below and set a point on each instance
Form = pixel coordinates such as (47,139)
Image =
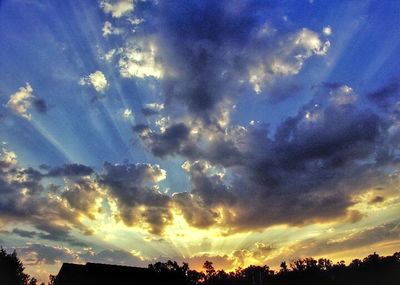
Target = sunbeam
(242,133)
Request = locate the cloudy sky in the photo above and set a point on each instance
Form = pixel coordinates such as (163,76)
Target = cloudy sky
(242,132)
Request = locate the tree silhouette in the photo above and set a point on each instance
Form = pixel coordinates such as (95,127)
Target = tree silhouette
(324,264)
(12,269)
(195,278)
(209,268)
(372,270)
(171,271)
(52,279)
(210,271)
(284,267)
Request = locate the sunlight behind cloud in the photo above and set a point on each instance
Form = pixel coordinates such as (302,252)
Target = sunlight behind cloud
(20,101)
(96,79)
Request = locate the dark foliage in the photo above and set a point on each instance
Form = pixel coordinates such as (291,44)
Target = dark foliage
(171,271)
(373,269)
(12,270)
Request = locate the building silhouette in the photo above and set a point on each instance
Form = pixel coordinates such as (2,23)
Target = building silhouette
(106,274)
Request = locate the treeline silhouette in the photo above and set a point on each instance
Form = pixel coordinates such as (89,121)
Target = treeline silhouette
(373,269)
(12,270)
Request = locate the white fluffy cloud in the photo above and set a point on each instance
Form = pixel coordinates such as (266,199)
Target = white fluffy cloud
(96,79)
(8,158)
(20,101)
(156,107)
(311,43)
(108,56)
(108,29)
(117,8)
(327,31)
(140,61)
(127,114)
(344,95)
(288,59)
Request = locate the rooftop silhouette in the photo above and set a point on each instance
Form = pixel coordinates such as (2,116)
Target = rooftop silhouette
(94,273)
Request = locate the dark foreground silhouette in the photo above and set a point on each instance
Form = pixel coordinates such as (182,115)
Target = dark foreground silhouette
(373,269)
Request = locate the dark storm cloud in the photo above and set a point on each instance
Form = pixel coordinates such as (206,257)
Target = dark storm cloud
(24,200)
(307,171)
(385,96)
(213,51)
(140,128)
(377,199)
(196,37)
(149,112)
(208,192)
(81,195)
(40,105)
(26,177)
(194,210)
(172,141)
(132,185)
(70,170)
(52,233)
(338,136)
(309,168)
(177,140)
(209,186)
(23,233)
(58,233)
(43,254)
(27,198)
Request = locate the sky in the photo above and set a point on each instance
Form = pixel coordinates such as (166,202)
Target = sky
(241,132)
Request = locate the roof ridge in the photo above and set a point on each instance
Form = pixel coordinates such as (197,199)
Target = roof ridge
(115,265)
